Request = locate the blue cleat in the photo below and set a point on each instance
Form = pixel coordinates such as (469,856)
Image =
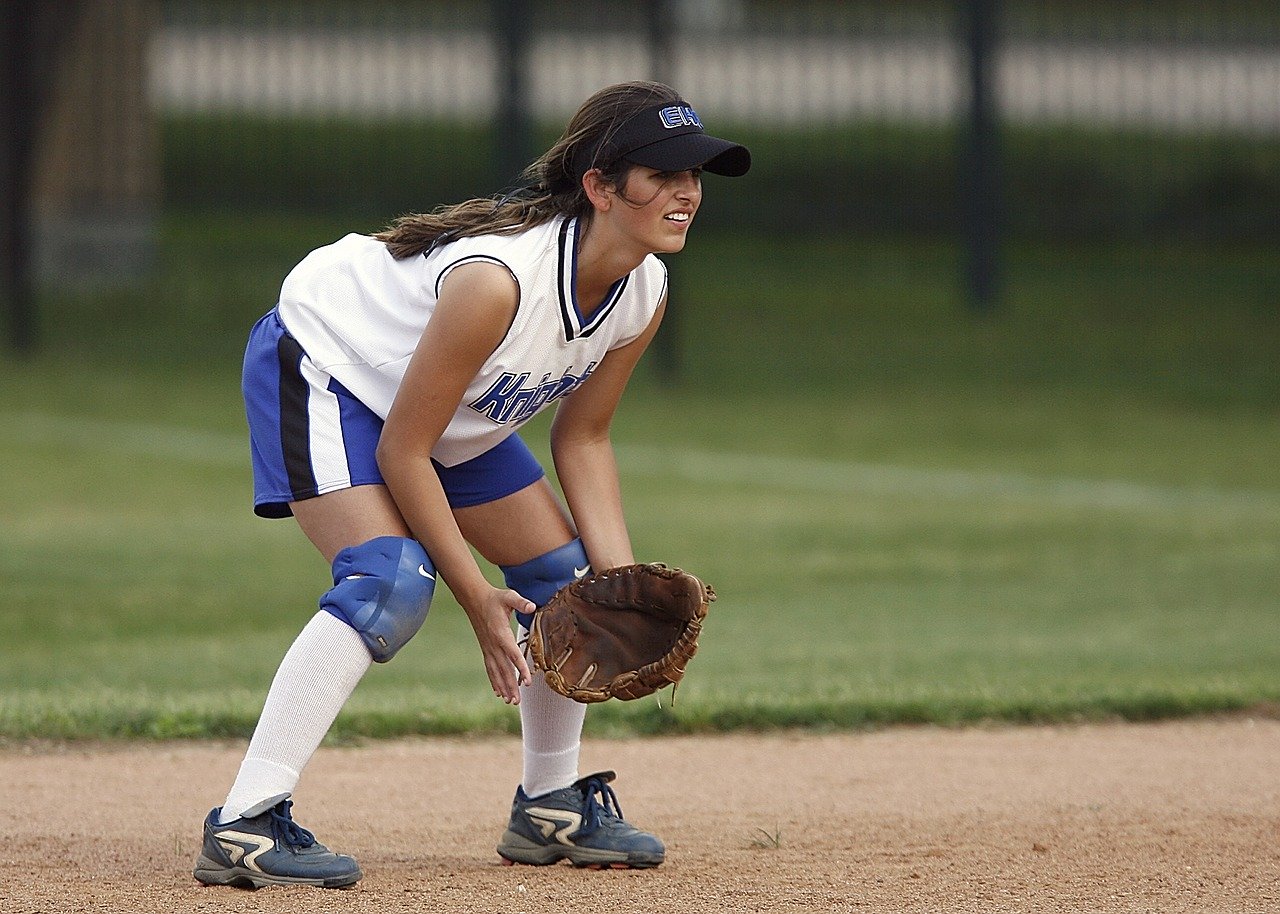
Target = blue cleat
(571,824)
(269,849)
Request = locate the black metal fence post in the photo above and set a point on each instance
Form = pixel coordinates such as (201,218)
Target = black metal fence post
(980,191)
(513,132)
(17,109)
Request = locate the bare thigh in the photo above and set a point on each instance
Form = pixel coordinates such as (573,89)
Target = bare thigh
(509,531)
(519,527)
(349,517)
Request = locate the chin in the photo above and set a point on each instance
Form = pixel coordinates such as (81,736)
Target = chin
(672,245)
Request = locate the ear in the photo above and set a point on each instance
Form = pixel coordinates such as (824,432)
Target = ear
(599,190)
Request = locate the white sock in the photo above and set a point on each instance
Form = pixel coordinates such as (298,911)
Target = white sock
(552,729)
(315,679)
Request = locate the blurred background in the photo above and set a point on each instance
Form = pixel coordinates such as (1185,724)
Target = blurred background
(984,126)
(984,346)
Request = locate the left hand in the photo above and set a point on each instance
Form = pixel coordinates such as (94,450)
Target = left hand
(503,660)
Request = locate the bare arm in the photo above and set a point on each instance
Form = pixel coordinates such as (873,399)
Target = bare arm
(476,307)
(584,458)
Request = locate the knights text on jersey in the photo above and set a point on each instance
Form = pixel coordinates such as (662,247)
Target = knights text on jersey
(358,313)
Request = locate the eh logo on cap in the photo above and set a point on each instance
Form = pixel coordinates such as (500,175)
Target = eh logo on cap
(679,116)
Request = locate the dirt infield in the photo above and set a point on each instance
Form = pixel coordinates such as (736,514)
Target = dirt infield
(1170,817)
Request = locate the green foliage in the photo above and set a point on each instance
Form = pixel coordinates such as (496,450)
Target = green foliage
(251,163)
(1063,510)
(1059,181)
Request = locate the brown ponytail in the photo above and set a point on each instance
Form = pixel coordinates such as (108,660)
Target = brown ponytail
(555,185)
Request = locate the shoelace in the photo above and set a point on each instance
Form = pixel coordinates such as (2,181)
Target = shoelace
(290,831)
(595,809)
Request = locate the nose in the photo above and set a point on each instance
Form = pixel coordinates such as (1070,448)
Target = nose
(688,185)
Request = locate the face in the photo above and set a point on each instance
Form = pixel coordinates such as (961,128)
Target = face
(656,208)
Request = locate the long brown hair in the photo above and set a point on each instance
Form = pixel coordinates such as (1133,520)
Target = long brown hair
(554,188)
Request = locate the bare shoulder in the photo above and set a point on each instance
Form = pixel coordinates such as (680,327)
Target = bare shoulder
(477,305)
(481,282)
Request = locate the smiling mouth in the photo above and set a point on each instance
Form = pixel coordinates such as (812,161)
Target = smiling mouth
(678,218)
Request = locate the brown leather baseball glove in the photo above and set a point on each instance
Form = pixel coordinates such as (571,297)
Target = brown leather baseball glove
(622,633)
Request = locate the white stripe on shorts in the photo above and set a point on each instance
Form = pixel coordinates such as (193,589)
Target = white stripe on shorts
(328,450)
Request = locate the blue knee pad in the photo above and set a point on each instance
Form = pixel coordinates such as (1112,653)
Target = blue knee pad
(383,590)
(538,579)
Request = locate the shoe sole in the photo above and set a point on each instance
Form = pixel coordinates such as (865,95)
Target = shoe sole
(212,873)
(516,848)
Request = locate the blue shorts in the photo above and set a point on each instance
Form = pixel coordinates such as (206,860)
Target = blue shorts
(310,435)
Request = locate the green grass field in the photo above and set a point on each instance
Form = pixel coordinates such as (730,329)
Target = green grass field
(1067,509)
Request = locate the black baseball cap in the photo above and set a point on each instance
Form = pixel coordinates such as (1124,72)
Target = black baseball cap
(668,137)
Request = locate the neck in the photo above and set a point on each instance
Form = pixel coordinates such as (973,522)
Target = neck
(602,261)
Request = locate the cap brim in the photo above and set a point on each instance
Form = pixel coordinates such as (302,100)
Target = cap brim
(694,150)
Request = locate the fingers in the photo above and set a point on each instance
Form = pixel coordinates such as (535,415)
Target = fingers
(503,660)
(503,679)
(524,676)
(507,674)
(522,665)
(521,605)
(516,603)
(507,668)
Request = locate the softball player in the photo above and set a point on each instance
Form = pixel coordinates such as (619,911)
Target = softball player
(383,394)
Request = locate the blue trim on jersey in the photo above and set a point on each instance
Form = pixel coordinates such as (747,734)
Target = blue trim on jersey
(576,323)
(565,318)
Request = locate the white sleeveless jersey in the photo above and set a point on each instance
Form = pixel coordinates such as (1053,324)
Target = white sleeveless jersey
(359,313)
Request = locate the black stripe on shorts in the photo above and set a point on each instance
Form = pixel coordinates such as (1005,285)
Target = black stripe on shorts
(295,420)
